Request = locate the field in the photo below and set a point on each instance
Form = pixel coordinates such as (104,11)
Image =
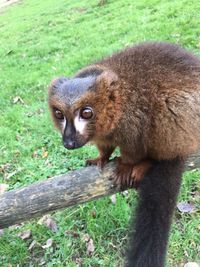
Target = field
(40,40)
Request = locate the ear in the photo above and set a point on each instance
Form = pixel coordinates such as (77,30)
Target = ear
(56,85)
(58,82)
(108,78)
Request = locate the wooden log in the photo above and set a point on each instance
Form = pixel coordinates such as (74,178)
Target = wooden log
(61,191)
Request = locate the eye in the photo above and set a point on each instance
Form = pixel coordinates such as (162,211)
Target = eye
(86,113)
(58,114)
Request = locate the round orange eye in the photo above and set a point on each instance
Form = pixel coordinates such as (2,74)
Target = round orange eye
(58,114)
(86,113)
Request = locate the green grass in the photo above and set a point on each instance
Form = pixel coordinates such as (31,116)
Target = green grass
(40,40)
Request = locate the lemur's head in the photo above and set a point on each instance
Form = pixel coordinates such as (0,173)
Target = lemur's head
(85,107)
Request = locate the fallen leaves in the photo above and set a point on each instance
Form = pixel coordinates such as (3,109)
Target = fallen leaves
(43,153)
(90,247)
(191,264)
(25,234)
(198,45)
(113,199)
(48,244)
(5,167)
(28,234)
(89,244)
(186,207)
(32,245)
(17,99)
(49,222)
(8,170)
(72,233)
(10,175)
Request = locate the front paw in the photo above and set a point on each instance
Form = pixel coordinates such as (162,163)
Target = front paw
(100,162)
(139,170)
(129,175)
(122,175)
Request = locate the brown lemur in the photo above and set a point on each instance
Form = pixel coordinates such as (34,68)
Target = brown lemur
(146,101)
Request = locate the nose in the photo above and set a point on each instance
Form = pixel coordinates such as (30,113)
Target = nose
(69,144)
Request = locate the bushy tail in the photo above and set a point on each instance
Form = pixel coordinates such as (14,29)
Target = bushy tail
(157,198)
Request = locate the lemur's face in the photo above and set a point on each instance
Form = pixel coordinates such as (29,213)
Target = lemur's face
(81,109)
(72,110)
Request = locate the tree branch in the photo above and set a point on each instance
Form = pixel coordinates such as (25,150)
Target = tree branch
(61,191)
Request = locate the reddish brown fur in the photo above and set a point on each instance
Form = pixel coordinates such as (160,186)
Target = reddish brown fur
(160,88)
(147,103)
(161,92)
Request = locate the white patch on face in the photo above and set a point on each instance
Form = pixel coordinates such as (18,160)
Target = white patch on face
(80,124)
(63,125)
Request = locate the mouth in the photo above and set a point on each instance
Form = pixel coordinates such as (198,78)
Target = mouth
(71,145)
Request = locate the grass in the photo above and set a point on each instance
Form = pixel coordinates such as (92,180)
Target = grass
(40,40)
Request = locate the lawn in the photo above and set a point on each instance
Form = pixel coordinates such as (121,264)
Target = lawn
(40,40)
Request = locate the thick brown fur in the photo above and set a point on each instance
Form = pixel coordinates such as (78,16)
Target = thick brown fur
(157,114)
(159,86)
(146,101)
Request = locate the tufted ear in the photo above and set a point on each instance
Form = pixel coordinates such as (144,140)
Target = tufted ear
(107,78)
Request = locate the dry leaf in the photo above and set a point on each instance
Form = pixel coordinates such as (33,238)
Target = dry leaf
(125,193)
(47,163)
(44,153)
(77,260)
(9,175)
(32,245)
(40,111)
(85,238)
(186,207)
(72,233)
(51,224)
(191,264)
(43,262)
(5,167)
(25,235)
(93,213)
(29,114)
(113,199)
(48,244)
(198,45)
(89,243)
(90,247)
(48,222)
(44,218)
(3,188)
(35,154)
(17,99)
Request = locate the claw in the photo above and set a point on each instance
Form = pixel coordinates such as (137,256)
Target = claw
(129,175)
(122,174)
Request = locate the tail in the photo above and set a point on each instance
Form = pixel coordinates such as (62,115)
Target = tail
(157,199)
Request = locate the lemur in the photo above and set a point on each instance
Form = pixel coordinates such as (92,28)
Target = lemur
(145,100)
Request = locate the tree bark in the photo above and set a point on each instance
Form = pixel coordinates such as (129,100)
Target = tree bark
(61,191)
